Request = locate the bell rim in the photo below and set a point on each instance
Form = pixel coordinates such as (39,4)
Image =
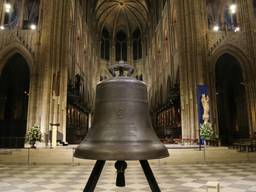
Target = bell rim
(123,150)
(132,157)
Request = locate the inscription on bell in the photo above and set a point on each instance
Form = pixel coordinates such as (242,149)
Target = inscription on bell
(131,132)
(121,112)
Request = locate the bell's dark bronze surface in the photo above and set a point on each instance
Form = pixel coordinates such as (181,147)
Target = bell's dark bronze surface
(122,128)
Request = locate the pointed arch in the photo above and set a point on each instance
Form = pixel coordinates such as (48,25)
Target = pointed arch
(237,53)
(247,71)
(12,49)
(14,99)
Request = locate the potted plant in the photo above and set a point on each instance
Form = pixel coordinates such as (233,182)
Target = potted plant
(34,134)
(206,131)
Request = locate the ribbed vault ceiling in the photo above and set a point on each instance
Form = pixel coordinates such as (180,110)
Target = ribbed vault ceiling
(127,15)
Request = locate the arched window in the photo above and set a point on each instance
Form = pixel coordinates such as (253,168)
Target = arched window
(164,2)
(121,46)
(222,15)
(137,47)
(12,14)
(105,44)
(15,11)
(31,13)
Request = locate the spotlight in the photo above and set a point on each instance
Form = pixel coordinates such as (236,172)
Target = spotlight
(33,27)
(216,28)
(237,29)
(7,7)
(2,27)
(233,8)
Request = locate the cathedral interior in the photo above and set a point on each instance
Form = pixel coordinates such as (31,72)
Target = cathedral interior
(53,54)
(197,58)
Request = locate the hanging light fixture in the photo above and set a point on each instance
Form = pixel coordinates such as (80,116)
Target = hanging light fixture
(237,29)
(33,27)
(216,28)
(233,8)
(7,7)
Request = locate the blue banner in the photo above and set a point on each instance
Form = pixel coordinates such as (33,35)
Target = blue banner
(202,93)
(203,104)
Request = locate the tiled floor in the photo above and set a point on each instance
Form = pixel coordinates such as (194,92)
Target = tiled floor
(235,177)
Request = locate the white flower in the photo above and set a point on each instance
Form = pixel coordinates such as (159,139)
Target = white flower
(206,131)
(34,134)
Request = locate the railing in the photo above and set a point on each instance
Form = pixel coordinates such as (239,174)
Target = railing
(245,145)
(12,142)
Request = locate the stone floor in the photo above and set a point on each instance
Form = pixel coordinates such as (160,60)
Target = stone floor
(233,177)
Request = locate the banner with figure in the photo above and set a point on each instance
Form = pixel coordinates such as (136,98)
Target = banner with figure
(203,105)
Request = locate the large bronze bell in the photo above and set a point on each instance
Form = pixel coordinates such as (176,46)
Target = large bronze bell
(121,129)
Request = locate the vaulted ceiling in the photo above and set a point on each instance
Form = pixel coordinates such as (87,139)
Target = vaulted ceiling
(126,15)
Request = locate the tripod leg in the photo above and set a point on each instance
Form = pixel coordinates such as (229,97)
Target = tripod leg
(150,176)
(94,177)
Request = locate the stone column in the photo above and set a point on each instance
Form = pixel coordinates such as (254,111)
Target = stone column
(21,14)
(61,66)
(129,51)
(56,60)
(64,63)
(250,88)
(192,29)
(113,52)
(248,26)
(33,116)
(144,55)
(2,12)
(53,62)
(43,107)
(89,121)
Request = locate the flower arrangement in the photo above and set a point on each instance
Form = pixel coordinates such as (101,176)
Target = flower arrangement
(206,131)
(34,134)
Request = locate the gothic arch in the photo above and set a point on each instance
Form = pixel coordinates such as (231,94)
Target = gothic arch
(5,55)
(247,75)
(237,53)
(15,89)
(12,49)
